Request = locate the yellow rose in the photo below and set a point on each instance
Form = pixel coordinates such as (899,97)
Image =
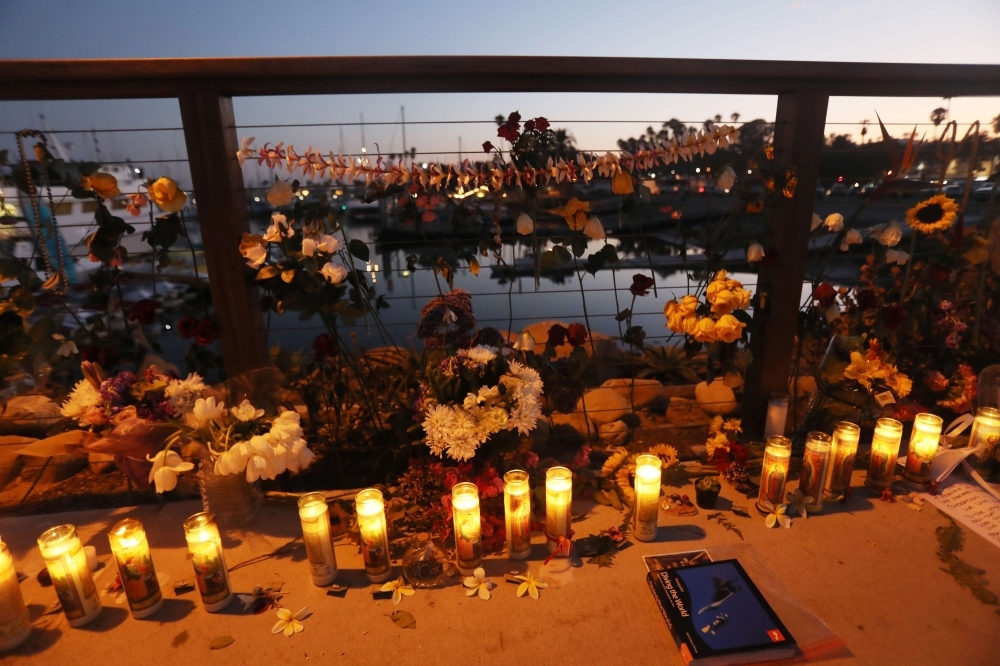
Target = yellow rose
(688,305)
(689,325)
(713,289)
(704,331)
(165,194)
(675,322)
(669,309)
(744,298)
(725,302)
(729,328)
(622,183)
(103,185)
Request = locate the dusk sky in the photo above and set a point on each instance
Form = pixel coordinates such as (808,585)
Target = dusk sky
(963,31)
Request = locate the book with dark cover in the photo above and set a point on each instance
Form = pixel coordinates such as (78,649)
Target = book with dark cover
(718,616)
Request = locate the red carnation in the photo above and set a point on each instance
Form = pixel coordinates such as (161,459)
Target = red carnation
(206,333)
(893,316)
(557,335)
(143,311)
(187,326)
(529,126)
(487,147)
(324,345)
(640,284)
(576,334)
(867,300)
(825,294)
(510,130)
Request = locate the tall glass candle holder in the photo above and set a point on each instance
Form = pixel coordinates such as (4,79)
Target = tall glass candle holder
(845,446)
(517,511)
(777,415)
(468,528)
(15,625)
(67,565)
(645,517)
(984,438)
(774,472)
(205,545)
(558,503)
(923,447)
(135,568)
(815,462)
(314,514)
(885,450)
(374,535)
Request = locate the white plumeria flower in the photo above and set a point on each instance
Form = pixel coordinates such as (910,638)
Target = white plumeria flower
(797,503)
(67,347)
(328,244)
(289,624)
(246,412)
(755,252)
(593,229)
(166,466)
(897,257)
(530,585)
(479,584)
(816,223)
(776,515)
(399,589)
(887,234)
(309,246)
(852,237)
(525,225)
(834,222)
(727,179)
(334,272)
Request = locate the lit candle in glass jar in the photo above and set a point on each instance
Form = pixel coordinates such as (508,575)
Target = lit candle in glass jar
(923,447)
(15,625)
(374,535)
(318,538)
(774,472)
(845,447)
(517,511)
(984,438)
(67,565)
(465,511)
(646,513)
(885,450)
(777,415)
(558,502)
(205,546)
(135,568)
(815,462)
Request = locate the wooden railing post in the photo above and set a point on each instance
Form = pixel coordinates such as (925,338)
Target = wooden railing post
(210,135)
(799,128)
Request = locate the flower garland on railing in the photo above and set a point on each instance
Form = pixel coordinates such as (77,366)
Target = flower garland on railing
(497,175)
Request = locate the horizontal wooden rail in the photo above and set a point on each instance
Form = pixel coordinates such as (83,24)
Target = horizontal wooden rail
(169,77)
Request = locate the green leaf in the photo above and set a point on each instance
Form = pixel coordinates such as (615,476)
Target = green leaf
(548,259)
(562,254)
(579,244)
(623,315)
(3,157)
(403,620)
(358,249)
(220,642)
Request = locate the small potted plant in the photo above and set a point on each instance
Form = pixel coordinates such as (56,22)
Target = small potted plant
(707,491)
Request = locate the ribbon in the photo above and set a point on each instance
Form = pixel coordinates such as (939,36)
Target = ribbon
(563,548)
(956,428)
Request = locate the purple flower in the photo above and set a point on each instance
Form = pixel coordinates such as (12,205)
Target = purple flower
(117,391)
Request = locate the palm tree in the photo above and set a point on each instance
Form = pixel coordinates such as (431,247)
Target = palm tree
(996,125)
(864,129)
(938,116)
(735,116)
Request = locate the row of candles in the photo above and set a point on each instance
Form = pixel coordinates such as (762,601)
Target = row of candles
(828,461)
(827,466)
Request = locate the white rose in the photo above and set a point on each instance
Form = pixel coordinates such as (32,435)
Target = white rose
(328,244)
(309,246)
(334,272)
(525,225)
(834,222)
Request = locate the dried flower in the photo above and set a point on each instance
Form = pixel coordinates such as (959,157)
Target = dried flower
(641,284)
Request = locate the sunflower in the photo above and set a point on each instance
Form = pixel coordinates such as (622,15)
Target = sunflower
(666,453)
(625,478)
(935,214)
(614,461)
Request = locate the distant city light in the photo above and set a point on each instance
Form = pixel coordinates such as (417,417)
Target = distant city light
(697,170)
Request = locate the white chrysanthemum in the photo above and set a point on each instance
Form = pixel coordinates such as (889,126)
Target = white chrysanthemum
(439,422)
(485,398)
(479,355)
(182,393)
(462,448)
(529,376)
(524,418)
(463,439)
(83,397)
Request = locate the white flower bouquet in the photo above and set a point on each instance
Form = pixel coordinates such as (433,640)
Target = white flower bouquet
(475,394)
